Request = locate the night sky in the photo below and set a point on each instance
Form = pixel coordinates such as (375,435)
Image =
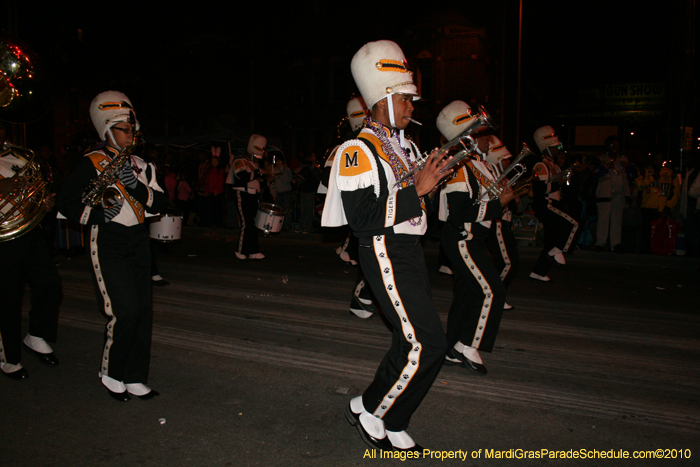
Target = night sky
(204,50)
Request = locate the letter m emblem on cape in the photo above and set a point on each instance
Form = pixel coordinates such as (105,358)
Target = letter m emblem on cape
(351,161)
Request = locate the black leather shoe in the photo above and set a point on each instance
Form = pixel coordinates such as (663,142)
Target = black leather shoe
(450,360)
(160,283)
(557,263)
(149,395)
(361,310)
(474,367)
(18,374)
(477,368)
(120,396)
(354,419)
(48,359)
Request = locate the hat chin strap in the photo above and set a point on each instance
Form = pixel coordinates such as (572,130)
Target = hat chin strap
(390,109)
(114,141)
(392,120)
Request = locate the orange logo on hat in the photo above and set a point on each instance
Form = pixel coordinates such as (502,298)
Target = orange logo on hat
(461,119)
(114,105)
(392,65)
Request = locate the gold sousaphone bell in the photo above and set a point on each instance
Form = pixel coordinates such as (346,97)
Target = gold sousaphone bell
(25,94)
(24,97)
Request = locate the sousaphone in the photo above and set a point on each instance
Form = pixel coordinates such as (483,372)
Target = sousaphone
(24,97)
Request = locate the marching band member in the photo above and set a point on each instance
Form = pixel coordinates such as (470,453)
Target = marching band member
(362,301)
(245,176)
(389,220)
(501,242)
(26,257)
(119,243)
(356,112)
(479,293)
(559,227)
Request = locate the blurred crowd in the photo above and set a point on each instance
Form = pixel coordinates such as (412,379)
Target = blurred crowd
(619,198)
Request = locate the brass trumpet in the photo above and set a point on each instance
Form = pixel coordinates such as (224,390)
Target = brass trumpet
(523,187)
(526,185)
(464,139)
(495,188)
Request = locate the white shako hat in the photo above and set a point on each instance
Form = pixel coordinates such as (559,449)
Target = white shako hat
(380,70)
(256,146)
(497,151)
(357,110)
(454,119)
(545,136)
(108,108)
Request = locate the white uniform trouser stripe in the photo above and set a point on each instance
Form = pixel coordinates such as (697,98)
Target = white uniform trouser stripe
(488,294)
(413,362)
(240,210)
(95,258)
(504,250)
(569,219)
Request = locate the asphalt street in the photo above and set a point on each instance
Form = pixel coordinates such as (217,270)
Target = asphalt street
(256,360)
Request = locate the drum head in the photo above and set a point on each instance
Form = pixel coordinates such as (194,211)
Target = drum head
(271,209)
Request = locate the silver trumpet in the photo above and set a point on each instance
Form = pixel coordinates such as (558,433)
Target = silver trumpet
(496,188)
(565,175)
(465,140)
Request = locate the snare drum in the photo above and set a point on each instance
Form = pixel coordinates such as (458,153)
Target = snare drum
(166,228)
(269,218)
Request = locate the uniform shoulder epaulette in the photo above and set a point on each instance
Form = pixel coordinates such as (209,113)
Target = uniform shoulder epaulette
(100,158)
(457,181)
(541,170)
(356,167)
(240,163)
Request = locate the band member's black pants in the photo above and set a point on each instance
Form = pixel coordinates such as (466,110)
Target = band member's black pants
(247,210)
(121,267)
(559,231)
(479,293)
(395,267)
(503,247)
(27,259)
